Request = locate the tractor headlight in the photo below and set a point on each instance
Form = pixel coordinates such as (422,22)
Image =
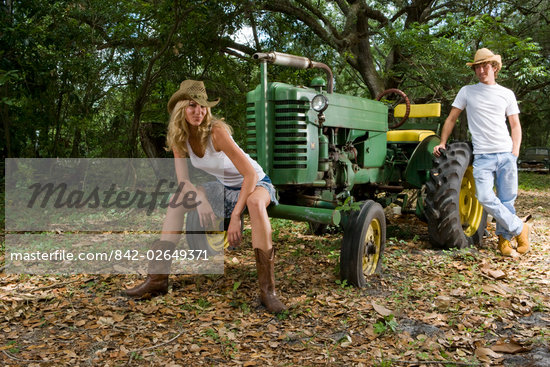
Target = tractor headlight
(319,103)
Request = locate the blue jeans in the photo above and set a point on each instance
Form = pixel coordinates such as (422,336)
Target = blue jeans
(499,170)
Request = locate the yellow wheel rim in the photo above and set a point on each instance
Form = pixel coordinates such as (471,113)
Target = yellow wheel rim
(372,247)
(470,209)
(217,240)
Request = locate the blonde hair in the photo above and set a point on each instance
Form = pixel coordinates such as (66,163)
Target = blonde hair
(494,64)
(496,67)
(178,128)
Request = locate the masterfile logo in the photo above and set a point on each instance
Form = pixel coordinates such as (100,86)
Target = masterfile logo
(101,215)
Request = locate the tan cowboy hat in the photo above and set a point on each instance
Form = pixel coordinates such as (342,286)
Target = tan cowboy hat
(191,89)
(485,55)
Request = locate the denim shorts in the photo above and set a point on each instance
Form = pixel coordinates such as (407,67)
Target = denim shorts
(217,193)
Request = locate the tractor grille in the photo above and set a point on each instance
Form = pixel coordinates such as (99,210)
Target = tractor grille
(251,131)
(290,138)
(288,129)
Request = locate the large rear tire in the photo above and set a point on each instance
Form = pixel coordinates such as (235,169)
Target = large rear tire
(455,217)
(213,240)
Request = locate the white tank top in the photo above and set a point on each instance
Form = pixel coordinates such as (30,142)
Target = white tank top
(220,166)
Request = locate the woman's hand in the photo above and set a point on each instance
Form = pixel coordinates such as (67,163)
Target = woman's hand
(234,234)
(207,218)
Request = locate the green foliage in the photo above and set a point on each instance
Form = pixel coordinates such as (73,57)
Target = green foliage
(386,325)
(343,284)
(82,79)
(534,181)
(349,205)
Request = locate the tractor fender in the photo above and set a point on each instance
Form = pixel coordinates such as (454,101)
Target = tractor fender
(417,172)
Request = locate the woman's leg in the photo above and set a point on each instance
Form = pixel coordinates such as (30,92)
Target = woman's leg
(264,252)
(259,220)
(156,282)
(173,224)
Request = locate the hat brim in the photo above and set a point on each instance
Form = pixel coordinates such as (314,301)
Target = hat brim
(181,96)
(488,59)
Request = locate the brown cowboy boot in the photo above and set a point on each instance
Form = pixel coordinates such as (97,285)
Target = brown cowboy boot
(523,239)
(156,282)
(265,265)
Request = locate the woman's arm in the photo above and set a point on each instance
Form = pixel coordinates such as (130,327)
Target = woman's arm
(182,173)
(204,209)
(222,142)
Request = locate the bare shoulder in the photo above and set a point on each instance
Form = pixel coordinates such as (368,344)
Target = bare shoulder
(221,136)
(220,126)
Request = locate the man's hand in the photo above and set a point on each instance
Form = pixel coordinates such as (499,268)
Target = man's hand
(437,149)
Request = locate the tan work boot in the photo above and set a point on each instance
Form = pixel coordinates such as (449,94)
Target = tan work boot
(505,247)
(523,239)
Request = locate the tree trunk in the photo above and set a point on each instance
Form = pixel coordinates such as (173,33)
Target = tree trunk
(57,125)
(146,84)
(75,151)
(4,113)
(153,139)
(134,129)
(4,110)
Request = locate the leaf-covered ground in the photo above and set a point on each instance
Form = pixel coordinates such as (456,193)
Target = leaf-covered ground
(428,307)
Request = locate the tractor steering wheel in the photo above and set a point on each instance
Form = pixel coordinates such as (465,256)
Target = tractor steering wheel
(393,103)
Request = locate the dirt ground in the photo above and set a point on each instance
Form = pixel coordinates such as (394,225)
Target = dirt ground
(427,308)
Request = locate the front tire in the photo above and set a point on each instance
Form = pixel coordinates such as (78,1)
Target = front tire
(455,217)
(363,244)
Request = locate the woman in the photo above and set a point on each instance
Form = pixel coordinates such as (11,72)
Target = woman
(195,134)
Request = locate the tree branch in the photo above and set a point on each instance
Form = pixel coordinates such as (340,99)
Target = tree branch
(344,8)
(255,33)
(226,43)
(285,7)
(315,11)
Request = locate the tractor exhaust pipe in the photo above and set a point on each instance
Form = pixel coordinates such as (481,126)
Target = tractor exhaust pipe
(298,62)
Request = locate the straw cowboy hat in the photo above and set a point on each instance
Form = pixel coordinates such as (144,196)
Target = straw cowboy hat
(485,55)
(191,89)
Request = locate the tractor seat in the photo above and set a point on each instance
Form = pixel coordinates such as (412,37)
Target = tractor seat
(416,111)
(408,136)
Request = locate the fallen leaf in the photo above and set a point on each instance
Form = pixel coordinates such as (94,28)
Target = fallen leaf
(106,321)
(490,288)
(495,274)
(119,317)
(511,347)
(194,348)
(381,309)
(443,302)
(486,354)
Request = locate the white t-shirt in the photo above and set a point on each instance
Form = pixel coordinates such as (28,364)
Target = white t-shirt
(220,166)
(487,107)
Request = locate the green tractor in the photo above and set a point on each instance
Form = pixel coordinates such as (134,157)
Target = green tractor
(335,160)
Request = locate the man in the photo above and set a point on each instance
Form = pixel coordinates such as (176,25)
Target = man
(495,151)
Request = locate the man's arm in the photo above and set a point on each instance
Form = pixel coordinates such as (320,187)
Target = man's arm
(447,129)
(515,128)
